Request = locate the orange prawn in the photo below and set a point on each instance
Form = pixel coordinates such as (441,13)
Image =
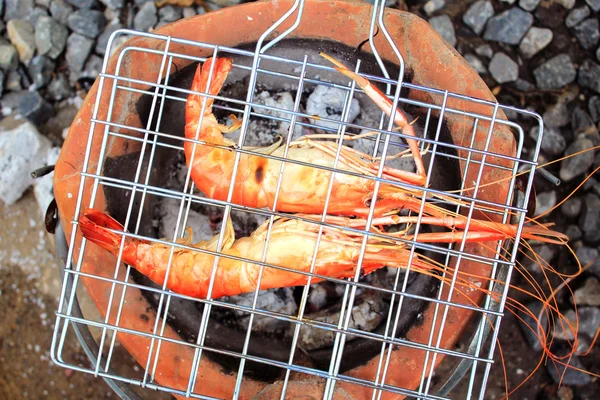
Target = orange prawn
(191,270)
(303,188)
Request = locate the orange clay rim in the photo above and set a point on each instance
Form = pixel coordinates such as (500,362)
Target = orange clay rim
(432,62)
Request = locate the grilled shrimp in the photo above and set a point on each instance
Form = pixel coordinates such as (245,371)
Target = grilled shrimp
(291,245)
(303,188)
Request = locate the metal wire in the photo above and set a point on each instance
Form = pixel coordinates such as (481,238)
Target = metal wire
(152,140)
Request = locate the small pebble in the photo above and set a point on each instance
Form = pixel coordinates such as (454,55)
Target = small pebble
(35,14)
(433,5)
(60,11)
(572,207)
(40,70)
(530,325)
(2,77)
(13,81)
(573,233)
(523,86)
(189,12)
(509,26)
(9,58)
(485,50)
(114,4)
(88,23)
(589,217)
(21,36)
(581,121)
(443,25)
(476,63)
(568,4)
(534,41)
(59,88)
(50,37)
(544,202)
(542,258)
(572,167)
(589,255)
(30,105)
(594,4)
(569,376)
(86,4)
(594,108)
(589,75)
(588,33)
(78,50)
(102,41)
(576,16)
(553,142)
(146,18)
(478,15)
(169,14)
(555,73)
(529,5)
(589,293)
(503,68)
(15,9)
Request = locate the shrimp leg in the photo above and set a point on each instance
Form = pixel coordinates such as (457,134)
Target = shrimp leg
(399,118)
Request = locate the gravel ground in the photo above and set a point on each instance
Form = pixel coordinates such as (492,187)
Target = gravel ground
(539,54)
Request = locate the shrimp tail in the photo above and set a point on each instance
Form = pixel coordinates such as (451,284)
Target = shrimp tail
(206,74)
(95,227)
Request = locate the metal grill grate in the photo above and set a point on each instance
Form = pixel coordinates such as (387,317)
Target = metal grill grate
(435,108)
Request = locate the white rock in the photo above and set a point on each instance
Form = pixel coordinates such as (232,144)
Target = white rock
(22,150)
(325,100)
(43,189)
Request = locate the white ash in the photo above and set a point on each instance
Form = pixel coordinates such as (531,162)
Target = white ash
(367,313)
(169,212)
(22,150)
(275,300)
(328,102)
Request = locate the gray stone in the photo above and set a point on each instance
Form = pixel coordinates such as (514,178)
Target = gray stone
(86,4)
(590,215)
(553,142)
(114,4)
(589,293)
(35,14)
(87,22)
(581,121)
(529,5)
(59,88)
(78,50)
(189,12)
(589,75)
(13,81)
(544,202)
(572,167)
(229,3)
(524,86)
(529,325)
(443,25)
(2,77)
(577,15)
(555,73)
(545,255)
(509,26)
(60,11)
(476,63)
(594,108)
(572,207)
(503,68)
(569,376)
(534,41)
(433,5)
(568,4)
(595,4)
(9,58)
(145,18)
(43,3)
(573,233)
(50,37)
(28,105)
(170,14)
(22,150)
(20,33)
(588,33)
(93,67)
(40,70)
(16,9)
(557,115)
(589,255)
(485,50)
(478,15)
(105,36)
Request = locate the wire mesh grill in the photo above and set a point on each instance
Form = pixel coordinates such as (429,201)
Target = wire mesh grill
(298,74)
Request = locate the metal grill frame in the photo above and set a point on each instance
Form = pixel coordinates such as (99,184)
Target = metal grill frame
(477,352)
